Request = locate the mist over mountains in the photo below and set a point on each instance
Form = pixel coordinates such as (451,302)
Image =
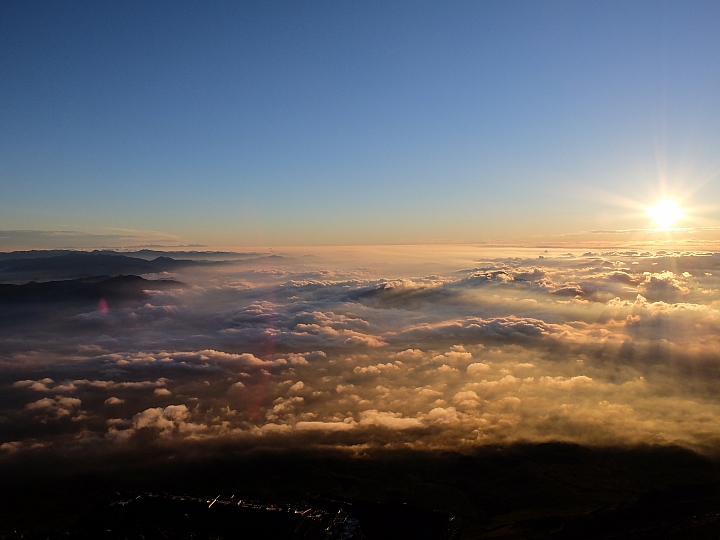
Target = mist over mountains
(18,267)
(91,289)
(76,265)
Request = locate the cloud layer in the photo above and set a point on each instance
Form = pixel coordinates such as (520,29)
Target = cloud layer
(612,348)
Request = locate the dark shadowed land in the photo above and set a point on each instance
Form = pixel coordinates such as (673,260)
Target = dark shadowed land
(520,491)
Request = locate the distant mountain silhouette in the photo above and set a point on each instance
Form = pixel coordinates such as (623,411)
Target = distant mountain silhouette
(33,254)
(22,266)
(146,254)
(78,264)
(115,289)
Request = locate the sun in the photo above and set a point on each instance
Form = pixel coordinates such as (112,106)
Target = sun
(665,213)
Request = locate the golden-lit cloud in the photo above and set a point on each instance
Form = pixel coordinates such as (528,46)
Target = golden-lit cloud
(600,348)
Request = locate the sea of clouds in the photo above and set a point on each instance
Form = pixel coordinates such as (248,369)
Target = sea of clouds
(446,350)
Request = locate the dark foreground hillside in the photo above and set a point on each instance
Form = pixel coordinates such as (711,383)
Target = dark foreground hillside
(552,491)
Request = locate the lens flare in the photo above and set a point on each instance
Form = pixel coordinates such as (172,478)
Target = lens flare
(665,213)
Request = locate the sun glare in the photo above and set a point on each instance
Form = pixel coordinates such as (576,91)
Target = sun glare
(665,213)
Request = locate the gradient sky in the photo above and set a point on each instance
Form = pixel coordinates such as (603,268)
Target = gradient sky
(277,123)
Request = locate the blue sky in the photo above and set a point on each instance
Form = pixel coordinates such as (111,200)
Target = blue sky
(272,123)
